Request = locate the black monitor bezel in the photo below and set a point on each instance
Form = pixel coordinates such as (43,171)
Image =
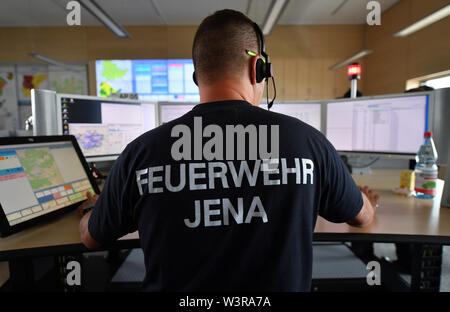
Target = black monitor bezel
(5,228)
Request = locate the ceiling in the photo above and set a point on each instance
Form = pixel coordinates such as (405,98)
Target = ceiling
(185,12)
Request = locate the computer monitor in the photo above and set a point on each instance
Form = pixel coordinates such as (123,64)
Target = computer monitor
(40,177)
(170,111)
(152,80)
(309,113)
(387,124)
(22,133)
(5,133)
(46,117)
(104,127)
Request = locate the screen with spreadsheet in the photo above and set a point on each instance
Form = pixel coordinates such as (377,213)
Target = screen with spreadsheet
(384,125)
(307,112)
(152,80)
(105,127)
(50,176)
(169,112)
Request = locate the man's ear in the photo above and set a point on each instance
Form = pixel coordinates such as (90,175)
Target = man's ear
(253,70)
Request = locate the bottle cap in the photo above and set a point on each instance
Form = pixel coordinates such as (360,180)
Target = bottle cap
(428,134)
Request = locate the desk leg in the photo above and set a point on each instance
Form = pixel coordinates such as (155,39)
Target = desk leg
(63,272)
(21,275)
(426,267)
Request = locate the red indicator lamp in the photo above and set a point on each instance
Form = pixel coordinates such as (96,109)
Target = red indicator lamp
(354,71)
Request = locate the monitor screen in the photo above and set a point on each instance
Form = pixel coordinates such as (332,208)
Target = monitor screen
(152,80)
(50,176)
(169,112)
(105,127)
(307,112)
(385,125)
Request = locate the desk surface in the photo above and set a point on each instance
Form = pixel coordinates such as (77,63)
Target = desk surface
(398,219)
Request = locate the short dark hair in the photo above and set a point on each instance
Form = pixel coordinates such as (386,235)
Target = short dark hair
(420,89)
(220,43)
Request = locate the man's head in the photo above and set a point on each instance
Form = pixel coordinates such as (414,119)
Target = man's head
(220,58)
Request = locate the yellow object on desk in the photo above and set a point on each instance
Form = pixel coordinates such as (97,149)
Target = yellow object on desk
(407,179)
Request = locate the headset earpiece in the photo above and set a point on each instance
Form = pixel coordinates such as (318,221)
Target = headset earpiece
(260,70)
(194,77)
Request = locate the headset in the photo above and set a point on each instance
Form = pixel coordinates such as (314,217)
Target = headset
(263,66)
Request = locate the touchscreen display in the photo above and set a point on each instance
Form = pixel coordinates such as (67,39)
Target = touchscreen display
(39,178)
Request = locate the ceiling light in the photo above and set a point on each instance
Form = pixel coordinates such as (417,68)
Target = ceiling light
(424,22)
(273,14)
(103,17)
(351,59)
(52,61)
(339,7)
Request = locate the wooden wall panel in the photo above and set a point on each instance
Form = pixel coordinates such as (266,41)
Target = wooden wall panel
(145,42)
(314,49)
(17,42)
(179,41)
(290,79)
(301,54)
(278,72)
(397,60)
(302,83)
(329,91)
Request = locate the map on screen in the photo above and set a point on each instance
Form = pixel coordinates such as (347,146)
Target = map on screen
(152,80)
(103,126)
(40,167)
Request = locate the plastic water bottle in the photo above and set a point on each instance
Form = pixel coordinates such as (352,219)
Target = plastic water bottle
(426,170)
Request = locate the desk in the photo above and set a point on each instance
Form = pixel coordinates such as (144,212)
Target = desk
(398,219)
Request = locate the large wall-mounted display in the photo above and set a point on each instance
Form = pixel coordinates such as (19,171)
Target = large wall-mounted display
(152,80)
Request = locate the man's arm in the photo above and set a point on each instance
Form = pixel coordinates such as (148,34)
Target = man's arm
(85,236)
(367,213)
(113,214)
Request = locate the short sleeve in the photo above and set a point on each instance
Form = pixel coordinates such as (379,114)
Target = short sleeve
(341,199)
(112,216)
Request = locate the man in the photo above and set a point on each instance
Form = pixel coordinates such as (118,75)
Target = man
(211,216)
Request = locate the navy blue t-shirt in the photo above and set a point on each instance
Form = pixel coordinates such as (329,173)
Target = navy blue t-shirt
(213,217)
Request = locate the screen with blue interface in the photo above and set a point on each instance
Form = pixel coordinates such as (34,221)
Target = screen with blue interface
(152,80)
(50,176)
(383,125)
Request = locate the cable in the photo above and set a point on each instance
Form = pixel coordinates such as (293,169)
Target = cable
(269,105)
(365,165)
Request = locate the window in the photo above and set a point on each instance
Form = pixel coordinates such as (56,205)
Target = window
(437,83)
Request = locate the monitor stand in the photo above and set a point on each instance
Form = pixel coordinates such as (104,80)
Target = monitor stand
(362,171)
(356,166)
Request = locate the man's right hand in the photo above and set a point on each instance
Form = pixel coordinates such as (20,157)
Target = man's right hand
(367,213)
(371,195)
(91,199)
